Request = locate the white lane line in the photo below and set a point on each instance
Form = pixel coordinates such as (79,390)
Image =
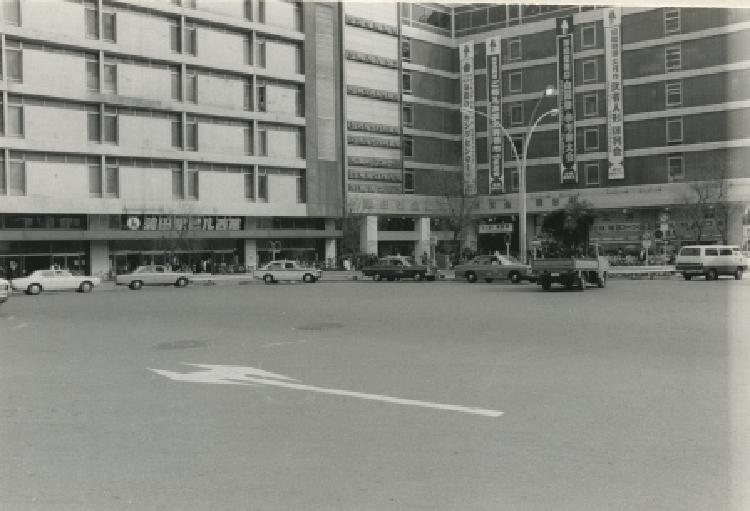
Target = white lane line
(19,326)
(237,375)
(283,343)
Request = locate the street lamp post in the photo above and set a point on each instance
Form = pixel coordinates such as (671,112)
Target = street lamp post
(549,91)
(521,163)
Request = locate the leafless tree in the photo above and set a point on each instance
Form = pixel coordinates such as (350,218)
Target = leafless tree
(461,207)
(707,200)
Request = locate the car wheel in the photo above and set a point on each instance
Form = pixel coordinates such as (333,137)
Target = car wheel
(546,283)
(471,277)
(602,281)
(687,276)
(377,277)
(712,274)
(181,282)
(738,274)
(514,277)
(418,277)
(308,278)
(268,279)
(34,289)
(488,281)
(86,287)
(136,285)
(581,282)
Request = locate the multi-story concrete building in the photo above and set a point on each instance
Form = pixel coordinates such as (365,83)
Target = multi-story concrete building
(145,131)
(653,131)
(137,131)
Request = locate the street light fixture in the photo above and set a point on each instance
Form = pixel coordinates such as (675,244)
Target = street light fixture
(550,90)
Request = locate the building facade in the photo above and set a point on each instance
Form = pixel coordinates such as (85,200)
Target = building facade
(650,133)
(150,132)
(178,131)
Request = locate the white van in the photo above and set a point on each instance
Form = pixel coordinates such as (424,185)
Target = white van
(711,261)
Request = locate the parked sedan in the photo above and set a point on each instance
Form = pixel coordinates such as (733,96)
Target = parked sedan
(276,271)
(397,268)
(490,267)
(4,290)
(55,280)
(153,275)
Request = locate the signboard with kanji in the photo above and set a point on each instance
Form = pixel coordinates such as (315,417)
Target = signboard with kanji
(612,52)
(494,114)
(568,170)
(466,51)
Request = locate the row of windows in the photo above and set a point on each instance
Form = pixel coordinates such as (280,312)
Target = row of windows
(108,70)
(13,16)
(105,183)
(183,39)
(465,19)
(103,127)
(592,172)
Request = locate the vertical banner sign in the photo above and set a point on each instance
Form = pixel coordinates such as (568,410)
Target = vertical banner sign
(612,54)
(568,171)
(494,109)
(467,117)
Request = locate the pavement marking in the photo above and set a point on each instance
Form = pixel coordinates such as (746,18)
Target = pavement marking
(283,343)
(19,326)
(238,375)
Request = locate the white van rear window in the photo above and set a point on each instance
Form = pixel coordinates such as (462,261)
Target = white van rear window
(725,251)
(690,251)
(712,251)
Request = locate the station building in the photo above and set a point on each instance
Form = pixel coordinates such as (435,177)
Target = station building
(141,131)
(652,134)
(155,131)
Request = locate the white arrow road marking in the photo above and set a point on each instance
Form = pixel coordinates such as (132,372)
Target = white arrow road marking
(237,375)
(283,343)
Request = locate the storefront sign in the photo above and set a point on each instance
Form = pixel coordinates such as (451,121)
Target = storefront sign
(466,51)
(234,224)
(134,223)
(221,224)
(494,132)
(503,228)
(568,171)
(150,223)
(612,52)
(165,223)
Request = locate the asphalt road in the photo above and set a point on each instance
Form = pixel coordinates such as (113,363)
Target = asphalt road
(397,396)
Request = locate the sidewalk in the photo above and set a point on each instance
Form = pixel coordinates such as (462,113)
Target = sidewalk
(243,279)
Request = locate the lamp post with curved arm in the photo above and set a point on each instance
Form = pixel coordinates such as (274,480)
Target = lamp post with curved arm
(521,164)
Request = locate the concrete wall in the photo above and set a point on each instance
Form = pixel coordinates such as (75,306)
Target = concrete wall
(143,33)
(282,144)
(64,72)
(221,92)
(61,126)
(66,19)
(381,12)
(145,185)
(374,77)
(99,253)
(221,139)
(144,82)
(372,110)
(373,43)
(282,98)
(280,14)
(220,48)
(57,180)
(282,189)
(145,133)
(282,57)
(231,8)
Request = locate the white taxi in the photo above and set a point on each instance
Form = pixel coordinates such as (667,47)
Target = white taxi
(276,271)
